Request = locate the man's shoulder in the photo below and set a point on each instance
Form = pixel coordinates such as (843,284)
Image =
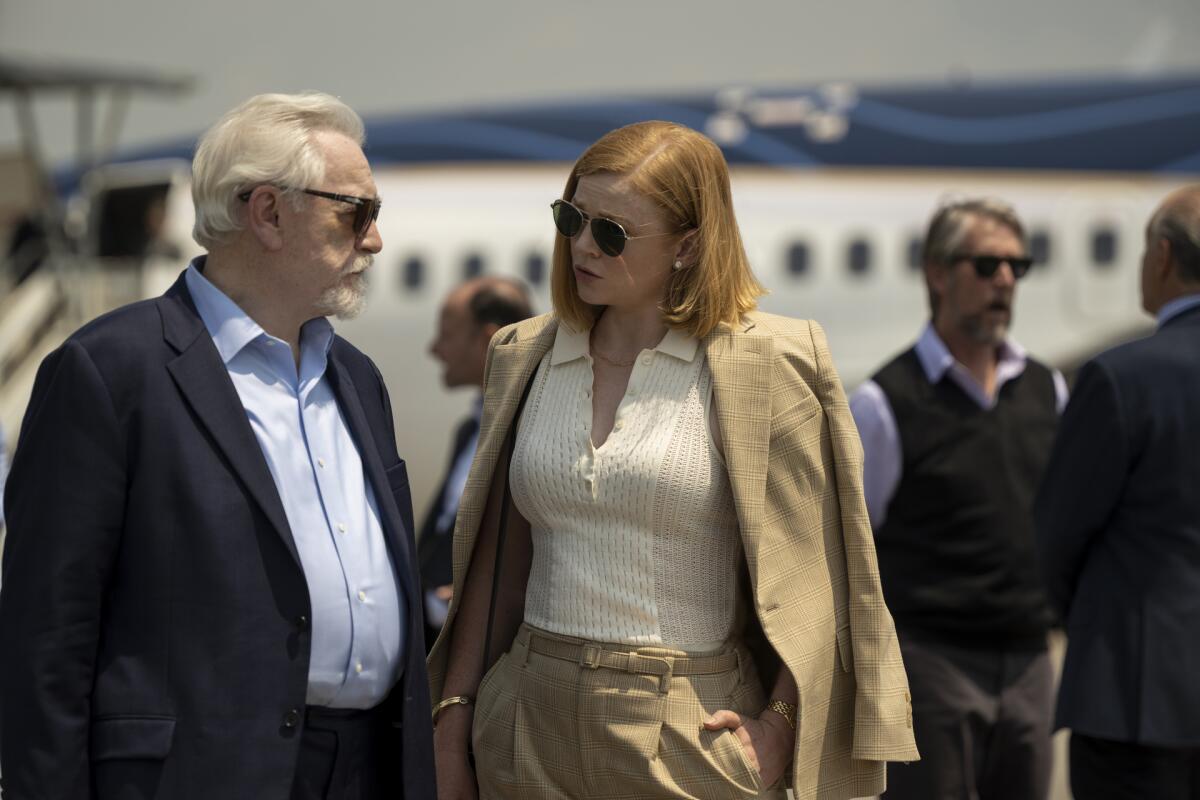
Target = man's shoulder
(129,335)
(1038,367)
(1164,352)
(129,319)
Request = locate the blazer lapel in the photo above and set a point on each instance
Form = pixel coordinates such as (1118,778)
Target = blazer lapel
(364,436)
(512,367)
(740,363)
(205,384)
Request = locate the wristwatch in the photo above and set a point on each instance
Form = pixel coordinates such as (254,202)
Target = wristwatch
(785,710)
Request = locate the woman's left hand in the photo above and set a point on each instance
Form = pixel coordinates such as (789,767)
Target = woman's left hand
(767,741)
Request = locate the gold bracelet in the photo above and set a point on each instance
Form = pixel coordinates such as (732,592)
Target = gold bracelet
(457,700)
(785,710)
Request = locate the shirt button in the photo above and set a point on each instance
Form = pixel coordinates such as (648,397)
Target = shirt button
(291,719)
(617,426)
(362,596)
(646,359)
(358,667)
(321,463)
(341,527)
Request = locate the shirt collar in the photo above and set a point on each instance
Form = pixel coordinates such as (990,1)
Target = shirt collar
(570,345)
(232,329)
(936,359)
(1176,307)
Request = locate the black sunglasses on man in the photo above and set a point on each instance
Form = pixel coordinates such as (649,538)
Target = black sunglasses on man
(986,266)
(366,209)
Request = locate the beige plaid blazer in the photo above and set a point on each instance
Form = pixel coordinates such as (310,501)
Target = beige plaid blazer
(795,464)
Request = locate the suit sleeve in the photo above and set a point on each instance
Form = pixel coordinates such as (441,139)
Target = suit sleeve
(65,502)
(882,710)
(1083,481)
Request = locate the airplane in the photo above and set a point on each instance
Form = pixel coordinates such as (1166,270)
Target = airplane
(832,186)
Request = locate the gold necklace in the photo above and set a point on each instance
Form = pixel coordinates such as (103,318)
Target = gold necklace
(596,352)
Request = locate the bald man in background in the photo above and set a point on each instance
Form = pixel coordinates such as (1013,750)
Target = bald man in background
(471,315)
(1118,523)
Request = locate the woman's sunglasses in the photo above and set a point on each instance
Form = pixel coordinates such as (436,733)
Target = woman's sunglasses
(609,236)
(986,266)
(366,209)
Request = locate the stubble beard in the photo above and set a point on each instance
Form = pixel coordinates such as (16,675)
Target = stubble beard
(979,330)
(347,298)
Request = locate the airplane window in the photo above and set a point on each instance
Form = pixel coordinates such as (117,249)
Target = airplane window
(1039,249)
(1104,246)
(472,266)
(915,246)
(535,268)
(412,273)
(858,257)
(797,260)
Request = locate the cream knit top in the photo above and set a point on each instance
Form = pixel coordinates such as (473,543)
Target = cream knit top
(635,541)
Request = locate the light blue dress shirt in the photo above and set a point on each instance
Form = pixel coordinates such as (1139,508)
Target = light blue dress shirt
(357,638)
(1176,307)
(882,459)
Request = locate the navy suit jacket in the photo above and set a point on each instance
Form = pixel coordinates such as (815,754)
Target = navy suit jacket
(154,617)
(1118,521)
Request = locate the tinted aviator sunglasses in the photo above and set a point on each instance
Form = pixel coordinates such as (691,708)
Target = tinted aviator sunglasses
(609,236)
(986,266)
(366,209)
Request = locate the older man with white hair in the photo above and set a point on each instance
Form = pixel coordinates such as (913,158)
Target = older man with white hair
(209,585)
(1119,536)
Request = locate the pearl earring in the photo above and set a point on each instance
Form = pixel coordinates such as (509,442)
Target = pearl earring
(678,265)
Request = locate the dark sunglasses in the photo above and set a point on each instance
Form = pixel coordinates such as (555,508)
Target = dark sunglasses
(366,209)
(986,266)
(609,236)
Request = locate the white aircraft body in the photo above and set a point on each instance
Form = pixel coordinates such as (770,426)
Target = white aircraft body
(832,188)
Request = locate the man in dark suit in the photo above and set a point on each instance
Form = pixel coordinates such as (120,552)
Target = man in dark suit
(209,585)
(471,314)
(1118,520)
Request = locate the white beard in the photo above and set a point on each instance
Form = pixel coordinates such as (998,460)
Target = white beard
(348,297)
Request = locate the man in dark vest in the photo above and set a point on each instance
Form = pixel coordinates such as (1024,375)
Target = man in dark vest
(956,432)
(1118,520)
(472,313)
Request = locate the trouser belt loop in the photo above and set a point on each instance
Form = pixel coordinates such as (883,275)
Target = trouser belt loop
(664,680)
(742,665)
(590,656)
(520,648)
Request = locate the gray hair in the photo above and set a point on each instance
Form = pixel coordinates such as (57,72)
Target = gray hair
(267,139)
(1179,225)
(952,222)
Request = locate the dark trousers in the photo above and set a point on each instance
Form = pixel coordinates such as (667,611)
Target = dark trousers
(345,755)
(982,721)
(1107,770)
